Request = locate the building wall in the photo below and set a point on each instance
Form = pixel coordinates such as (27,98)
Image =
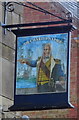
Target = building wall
(0,66)
(7,54)
(35,16)
(7,58)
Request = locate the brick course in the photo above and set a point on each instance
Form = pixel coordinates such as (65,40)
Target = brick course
(35,16)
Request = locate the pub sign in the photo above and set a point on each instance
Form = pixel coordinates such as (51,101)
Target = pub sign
(42,79)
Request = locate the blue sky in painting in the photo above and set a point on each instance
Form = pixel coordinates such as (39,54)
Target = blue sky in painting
(59,49)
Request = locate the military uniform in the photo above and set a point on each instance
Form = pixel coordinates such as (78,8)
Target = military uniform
(47,73)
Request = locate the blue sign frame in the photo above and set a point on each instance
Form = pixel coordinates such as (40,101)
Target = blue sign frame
(48,100)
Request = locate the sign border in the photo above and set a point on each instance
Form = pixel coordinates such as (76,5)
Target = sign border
(46,100)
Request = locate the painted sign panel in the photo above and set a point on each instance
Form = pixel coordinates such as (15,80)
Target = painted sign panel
(42,68)
(41,64)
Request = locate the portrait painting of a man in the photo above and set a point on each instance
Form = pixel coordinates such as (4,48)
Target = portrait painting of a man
(42,61)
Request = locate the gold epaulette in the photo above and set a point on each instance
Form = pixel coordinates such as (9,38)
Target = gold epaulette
(57,61)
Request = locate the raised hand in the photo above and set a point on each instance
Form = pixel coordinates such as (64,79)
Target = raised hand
(22,61)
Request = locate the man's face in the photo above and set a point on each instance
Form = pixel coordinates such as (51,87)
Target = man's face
(46,51)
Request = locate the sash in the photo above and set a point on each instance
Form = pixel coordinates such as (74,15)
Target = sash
(45,69)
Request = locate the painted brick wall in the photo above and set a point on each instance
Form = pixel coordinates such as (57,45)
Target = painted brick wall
(35,16)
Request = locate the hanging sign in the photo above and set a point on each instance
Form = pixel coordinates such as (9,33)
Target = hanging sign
(42,68)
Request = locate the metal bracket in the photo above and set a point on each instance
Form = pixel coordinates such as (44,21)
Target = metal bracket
(10,7)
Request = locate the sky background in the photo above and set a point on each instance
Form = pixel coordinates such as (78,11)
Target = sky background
(25,44)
